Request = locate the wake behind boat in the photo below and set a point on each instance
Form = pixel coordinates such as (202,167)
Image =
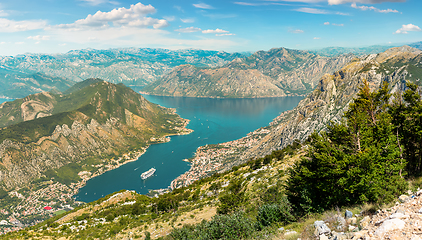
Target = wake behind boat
(148,173)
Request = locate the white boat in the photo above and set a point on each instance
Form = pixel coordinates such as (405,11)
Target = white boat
(148,173)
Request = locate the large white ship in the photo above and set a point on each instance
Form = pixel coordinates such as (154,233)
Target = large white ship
(148,173)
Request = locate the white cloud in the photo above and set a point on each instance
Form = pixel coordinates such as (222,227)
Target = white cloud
(296,31)
(364,8)
(39,38)
(305,1)
(170,18)
(3,13)
(215,31)
(408,28)
(202,6)
(336,2)
(179,8)
(261,4)
(225,34)
(187,20)
(132,17)
(316,38)
(311,10)
(98,2)
(188,30)
(220,16)
(135,37)
(19,43)
(334,24)
(7,25)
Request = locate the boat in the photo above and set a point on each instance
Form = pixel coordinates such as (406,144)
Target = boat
(148,173)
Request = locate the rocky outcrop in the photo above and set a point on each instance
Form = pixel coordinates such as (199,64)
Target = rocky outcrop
(274,73)
(402,221)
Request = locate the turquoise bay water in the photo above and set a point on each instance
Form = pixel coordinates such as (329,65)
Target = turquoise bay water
(213,121)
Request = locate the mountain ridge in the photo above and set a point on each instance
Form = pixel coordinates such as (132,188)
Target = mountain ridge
(106,120)
(274,73)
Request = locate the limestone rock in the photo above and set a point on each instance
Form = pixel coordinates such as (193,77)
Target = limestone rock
(403,198)
(323,237)
(365,222)
(321,228)
(390,225)
(348,214)
(352,221)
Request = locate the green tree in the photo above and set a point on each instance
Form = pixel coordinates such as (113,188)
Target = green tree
(407,117)
(355,161)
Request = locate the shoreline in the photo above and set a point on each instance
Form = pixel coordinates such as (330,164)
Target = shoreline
(218,97)
(166,138)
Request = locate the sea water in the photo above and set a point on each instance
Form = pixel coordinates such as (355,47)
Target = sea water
(213,121)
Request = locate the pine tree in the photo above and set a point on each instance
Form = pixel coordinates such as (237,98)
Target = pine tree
(355,161)
(407,117)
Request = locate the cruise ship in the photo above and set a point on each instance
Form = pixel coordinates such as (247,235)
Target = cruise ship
(148,173)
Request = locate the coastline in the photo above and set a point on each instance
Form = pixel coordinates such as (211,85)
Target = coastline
(218,97)
(60,196)
(117,163)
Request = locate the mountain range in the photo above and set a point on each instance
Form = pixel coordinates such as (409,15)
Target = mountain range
(274,73)
(131,66)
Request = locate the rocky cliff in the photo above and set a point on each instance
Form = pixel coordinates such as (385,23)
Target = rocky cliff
(274,73)
(84,128)
(334,93)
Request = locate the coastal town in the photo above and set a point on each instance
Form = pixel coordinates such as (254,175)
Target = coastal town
(25,207)
(210,159)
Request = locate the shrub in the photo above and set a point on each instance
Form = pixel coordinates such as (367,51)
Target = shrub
(225,227)
(276,212)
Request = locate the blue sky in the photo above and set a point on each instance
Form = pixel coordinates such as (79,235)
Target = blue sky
(57,26)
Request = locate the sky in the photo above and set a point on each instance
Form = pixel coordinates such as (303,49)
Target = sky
(58,26)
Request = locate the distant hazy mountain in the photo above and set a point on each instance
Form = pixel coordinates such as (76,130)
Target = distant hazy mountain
(334,51)
(131,66)
(15,84)
(417,45)
(273,73)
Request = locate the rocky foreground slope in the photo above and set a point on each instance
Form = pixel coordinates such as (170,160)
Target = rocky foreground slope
(274,73)
(401,221)
(325,104)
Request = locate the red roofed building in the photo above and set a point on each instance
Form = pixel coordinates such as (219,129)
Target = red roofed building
(47,208)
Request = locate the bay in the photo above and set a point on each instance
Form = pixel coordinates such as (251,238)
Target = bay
(213,121)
